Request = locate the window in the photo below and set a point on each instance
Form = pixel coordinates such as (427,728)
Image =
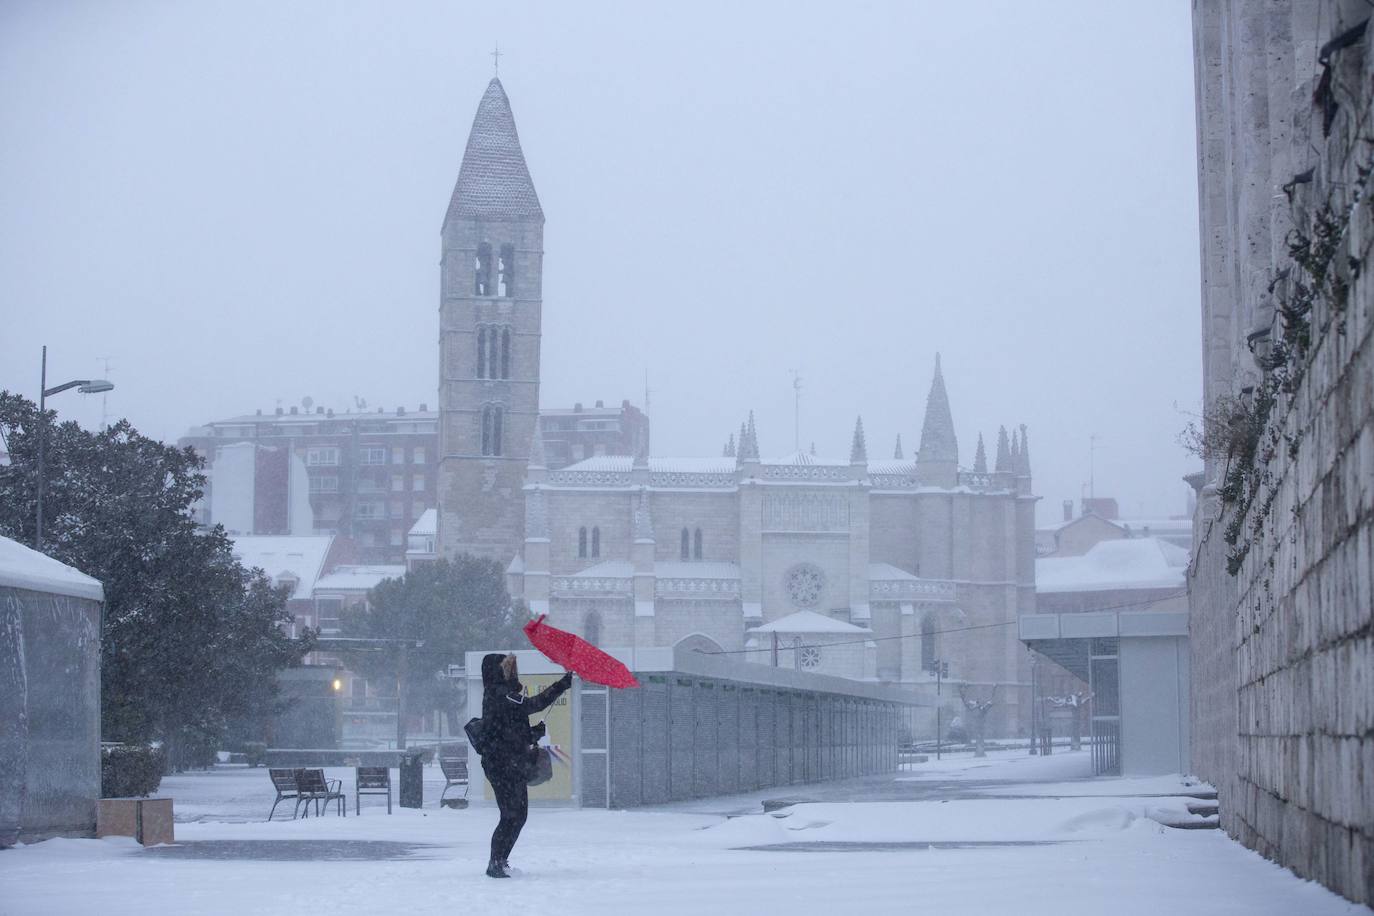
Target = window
(482,269)
(358,687)
(696,544)
(418,456)
(398,455)
(491,430)
(582,543)
(686,544)
(370,485)
(369,510)
(481,352)
(810,657)
(596,542)
(324,483)
(322,457)
(372,454)
(505,353)
(506,271)
(398,537)
(398,509)
(327,611)
(398,483)
(417,483)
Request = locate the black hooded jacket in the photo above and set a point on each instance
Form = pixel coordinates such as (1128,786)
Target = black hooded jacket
(506,711)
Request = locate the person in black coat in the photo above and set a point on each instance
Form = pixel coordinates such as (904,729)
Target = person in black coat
(509,739)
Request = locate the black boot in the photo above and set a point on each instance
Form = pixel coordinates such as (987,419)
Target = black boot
(494,870)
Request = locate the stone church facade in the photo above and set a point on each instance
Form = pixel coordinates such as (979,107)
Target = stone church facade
(870,569)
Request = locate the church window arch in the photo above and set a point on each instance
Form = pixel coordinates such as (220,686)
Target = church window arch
(482,352)
(596,542)
(699,642)
(493,353)
(582,542)
(492,421)
(696,544)
(686,544)
(928,648)
(506,271)
(505,353)
(482,271)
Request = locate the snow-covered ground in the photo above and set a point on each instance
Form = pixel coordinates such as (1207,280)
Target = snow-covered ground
(1007,834)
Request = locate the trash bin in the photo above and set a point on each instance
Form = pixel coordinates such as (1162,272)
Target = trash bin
(412,778)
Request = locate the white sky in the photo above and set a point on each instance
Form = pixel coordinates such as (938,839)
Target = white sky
(239,205)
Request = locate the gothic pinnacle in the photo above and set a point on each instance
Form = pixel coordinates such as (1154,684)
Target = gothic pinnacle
(858,449)
(1003,463)
(897,452)
(938,441)
(980,458)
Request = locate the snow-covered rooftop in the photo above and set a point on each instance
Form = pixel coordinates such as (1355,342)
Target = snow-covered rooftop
(1115,564)
(625,463)
(300,557)
(611,569)
(892,466)
(692,569)
(23,567)
(809,622)
(805,459)
(886,572)
(426,524)
(357,578)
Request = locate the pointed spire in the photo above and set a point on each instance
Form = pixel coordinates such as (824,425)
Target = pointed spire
(537,459)
(858,448)
(813,448)
(1024,454)
(729,447)
(980,458)
(1015,450)
(749,441)
(493,181)
(1003,464)
(643,522)
(743,444)
(938,442)
(897,452)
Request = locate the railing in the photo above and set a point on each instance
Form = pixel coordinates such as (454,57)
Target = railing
(701,587)
(691,480)
(911,590)
(592,584)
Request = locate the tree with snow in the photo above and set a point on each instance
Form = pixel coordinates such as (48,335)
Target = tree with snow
(191,640)
(978,709)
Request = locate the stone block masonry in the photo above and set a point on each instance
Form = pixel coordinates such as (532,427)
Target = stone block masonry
(1283,651)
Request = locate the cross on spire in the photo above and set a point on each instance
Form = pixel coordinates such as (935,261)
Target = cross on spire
(496,59)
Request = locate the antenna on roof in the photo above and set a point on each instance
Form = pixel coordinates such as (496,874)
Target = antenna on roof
(496,60)
(796,410)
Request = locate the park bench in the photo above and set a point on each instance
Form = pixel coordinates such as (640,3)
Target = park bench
(284,781)
(311,786)
(371,781)
(455,774)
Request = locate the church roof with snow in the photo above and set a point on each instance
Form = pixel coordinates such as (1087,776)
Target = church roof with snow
(625,463)
(494,182)
(810,622)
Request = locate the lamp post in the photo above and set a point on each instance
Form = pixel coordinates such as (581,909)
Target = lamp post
(85,386)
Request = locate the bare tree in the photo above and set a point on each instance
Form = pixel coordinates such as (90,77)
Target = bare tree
(978,711)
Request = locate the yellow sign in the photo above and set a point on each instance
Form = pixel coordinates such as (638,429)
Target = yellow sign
(558,719)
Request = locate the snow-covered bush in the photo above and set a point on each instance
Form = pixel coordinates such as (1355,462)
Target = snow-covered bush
(128,770)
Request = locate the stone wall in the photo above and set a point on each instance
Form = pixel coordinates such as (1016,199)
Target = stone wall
(1283,652)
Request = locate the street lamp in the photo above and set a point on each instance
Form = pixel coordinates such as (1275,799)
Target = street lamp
(84,386)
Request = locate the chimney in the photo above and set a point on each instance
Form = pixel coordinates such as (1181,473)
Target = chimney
(400,411)
(279,411)
(293,411)
(329,412)
(319,410)
(600,404)
(424,408)
(577,408)
(1068,510)
(259,411)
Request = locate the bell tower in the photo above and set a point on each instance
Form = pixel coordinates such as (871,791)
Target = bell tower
(490,303)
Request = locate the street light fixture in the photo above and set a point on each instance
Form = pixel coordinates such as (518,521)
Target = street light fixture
(82,385)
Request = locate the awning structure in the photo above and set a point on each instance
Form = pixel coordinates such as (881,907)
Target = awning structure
(1066,639)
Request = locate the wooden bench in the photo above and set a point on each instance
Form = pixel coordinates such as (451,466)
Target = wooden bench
(311,786)
(371,781)
(455,774)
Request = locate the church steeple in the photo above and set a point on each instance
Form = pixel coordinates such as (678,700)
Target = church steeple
(494,182)
(858,448)
(937,460)
(980,458)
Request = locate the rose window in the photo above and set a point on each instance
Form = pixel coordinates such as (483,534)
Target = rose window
(810,657)
(805,582)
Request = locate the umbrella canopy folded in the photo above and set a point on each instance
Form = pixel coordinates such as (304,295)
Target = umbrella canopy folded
(577,655)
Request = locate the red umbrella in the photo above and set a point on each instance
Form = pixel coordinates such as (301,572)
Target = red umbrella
(578,656)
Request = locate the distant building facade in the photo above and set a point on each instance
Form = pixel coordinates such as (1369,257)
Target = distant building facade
(574,434)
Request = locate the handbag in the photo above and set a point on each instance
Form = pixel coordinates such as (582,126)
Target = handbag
(477,736)
(540,766)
